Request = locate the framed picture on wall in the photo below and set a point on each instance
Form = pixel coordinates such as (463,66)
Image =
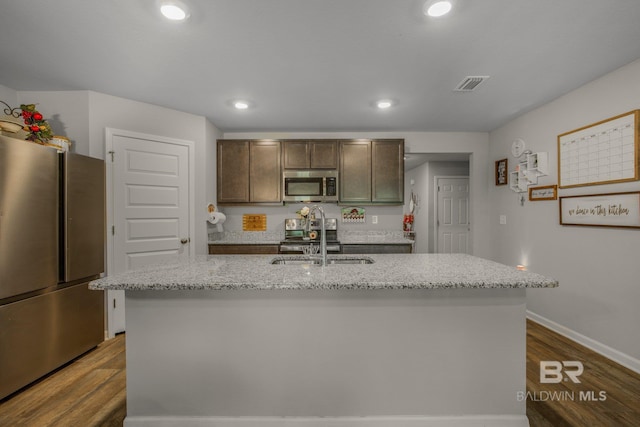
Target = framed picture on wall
(548,192)
(601,210)
(501,172)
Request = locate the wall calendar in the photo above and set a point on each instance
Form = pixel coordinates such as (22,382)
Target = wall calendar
(601,153)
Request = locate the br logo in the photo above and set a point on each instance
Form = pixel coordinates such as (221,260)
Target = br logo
(552,371)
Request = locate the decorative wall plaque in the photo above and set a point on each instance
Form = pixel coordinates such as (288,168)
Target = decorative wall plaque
(254,222)
(601,210)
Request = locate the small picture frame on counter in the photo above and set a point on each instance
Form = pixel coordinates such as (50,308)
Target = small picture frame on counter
(501,172)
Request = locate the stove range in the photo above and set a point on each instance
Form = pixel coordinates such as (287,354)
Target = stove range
(299,239)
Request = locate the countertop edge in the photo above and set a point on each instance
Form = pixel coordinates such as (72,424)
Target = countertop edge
(390,271)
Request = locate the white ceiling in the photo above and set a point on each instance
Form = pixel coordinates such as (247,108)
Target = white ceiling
(319,65)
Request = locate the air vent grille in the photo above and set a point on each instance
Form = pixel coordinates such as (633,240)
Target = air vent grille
(470,83)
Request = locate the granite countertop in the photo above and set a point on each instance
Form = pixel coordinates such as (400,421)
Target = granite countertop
(390,271)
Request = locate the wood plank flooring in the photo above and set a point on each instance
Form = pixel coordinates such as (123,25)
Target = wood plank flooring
(578,404)
(87,392)
(90,391)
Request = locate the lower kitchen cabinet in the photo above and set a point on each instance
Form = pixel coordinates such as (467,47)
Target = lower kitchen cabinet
(402,248)
(242,249)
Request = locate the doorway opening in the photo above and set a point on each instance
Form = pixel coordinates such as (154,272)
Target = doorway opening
(422,170)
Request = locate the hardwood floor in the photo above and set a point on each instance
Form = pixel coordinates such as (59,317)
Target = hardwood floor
(87,392)
(90,391)
(608,394)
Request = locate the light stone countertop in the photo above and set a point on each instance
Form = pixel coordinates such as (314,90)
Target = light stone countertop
(390,271)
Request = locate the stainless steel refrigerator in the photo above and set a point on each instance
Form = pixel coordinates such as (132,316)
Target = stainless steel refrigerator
(52,234)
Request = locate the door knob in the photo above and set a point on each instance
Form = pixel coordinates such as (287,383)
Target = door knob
(185,241)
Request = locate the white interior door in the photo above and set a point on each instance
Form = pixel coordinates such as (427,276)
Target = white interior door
(151,209)
(453,225)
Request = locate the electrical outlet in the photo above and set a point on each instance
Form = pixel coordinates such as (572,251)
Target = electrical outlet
(503,219)
(374,219)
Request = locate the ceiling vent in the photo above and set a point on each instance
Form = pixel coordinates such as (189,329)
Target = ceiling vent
(470,83)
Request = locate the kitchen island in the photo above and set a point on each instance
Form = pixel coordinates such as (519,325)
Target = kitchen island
(410,340)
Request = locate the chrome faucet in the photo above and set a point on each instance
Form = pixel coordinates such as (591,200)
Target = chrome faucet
(323,236)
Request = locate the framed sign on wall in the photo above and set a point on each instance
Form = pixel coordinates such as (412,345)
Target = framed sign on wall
(501,172)
(602,153)
(602,210)
(547,192)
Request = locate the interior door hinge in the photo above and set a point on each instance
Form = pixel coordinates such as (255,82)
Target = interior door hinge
(112,153)
(113,230)
(114,303)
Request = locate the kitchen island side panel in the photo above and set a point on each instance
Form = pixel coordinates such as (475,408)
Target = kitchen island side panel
(426,353)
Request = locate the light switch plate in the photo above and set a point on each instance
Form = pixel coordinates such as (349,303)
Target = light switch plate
(503,219)
(374,219)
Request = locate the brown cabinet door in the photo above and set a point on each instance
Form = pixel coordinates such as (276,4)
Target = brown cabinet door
(377,249)
(233,171)
(296,154)
(265,174)
(310,154)
(324,154)
(355,171)
(387,167)
(243,249)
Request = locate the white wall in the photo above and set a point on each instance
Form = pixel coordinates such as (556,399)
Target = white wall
(67,112)
(390,217)
(9,96)
(420,178)
(83,116)
(598,268)
(107,111)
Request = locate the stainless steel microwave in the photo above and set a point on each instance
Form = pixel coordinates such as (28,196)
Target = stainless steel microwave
(310,185)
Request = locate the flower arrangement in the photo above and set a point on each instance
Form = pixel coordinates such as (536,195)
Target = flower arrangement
(38,128)
(303,212)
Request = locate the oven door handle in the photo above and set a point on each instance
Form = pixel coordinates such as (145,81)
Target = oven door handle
(300,248)
(291,248)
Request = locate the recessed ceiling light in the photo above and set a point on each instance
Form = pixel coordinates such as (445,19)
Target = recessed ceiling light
(241,105)
(437,8)
(383,104)
(174,11)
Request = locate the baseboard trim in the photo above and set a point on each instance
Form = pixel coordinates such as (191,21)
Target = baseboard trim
(452,421)
(608,352)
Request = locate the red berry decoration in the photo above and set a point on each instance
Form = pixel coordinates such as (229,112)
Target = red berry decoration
(38,128)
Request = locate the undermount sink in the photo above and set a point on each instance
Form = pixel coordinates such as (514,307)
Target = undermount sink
(299,260)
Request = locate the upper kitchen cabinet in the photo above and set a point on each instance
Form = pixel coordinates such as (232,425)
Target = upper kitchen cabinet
(372,171)
(233,172)
(310,154)
(354,174)
(249,172)
(387,171)
(265,172)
